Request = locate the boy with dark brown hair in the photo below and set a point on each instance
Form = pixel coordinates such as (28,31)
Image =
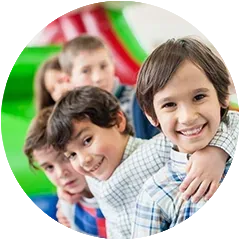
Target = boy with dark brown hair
(183,89)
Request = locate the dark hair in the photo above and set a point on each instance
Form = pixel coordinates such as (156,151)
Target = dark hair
(42,97)
(164,61)
(88,102)
(72,48)
(37,135)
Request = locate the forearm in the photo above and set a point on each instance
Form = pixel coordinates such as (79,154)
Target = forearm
(227,134)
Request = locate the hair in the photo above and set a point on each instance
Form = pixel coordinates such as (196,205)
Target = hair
(72,48)
(166,59)
(42,96)
(36,138)
(88,102)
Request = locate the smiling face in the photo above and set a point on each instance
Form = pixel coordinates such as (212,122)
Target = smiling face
(188,109)
(93,68)
(96,151)
(59,170)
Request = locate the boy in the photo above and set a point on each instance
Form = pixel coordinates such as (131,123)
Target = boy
(97,140)
(88,61)
(85,216)
(182,88)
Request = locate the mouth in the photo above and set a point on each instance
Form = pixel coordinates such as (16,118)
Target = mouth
(70,183)
(96,167)
(192,132)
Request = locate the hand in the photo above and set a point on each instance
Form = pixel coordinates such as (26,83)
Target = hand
(61,218)
(205,169)
(68,197)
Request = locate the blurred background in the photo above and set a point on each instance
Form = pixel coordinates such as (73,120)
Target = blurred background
(131,30)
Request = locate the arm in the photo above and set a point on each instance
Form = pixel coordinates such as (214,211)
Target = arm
(206,166)
(61,217)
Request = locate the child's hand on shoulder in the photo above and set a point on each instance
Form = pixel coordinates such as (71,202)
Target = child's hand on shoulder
(204,172)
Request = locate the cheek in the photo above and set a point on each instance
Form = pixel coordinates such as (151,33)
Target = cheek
(76,166)
(166,121)
(52,178)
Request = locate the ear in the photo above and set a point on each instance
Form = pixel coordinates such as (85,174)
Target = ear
(121,122)
(150,119)
(227,102)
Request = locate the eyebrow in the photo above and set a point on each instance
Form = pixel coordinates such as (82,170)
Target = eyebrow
(44,164)
(79,133)
(200,90)
(47,163)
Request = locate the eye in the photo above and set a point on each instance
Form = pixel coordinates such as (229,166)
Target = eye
(70,156)
(103,66)
(86,141)
(86,70)
(199,97)
(49,168)
(169,105)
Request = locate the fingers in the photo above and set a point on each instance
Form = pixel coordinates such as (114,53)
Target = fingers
(213,188)
(202,189)
(191,189)
(68,197)
(187,181)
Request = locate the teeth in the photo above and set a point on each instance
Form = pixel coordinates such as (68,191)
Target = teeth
(192,132)
(97,166)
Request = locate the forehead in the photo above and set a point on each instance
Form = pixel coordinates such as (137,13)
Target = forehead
(46,154)
(188,78)
(91,56)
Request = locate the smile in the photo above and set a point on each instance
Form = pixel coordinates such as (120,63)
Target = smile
(96,166)
(192,132)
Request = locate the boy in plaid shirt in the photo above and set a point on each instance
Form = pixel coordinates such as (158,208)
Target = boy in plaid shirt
(89,126)
(183,88)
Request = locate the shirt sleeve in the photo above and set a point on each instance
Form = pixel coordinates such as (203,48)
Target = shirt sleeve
(148,218)
(227,134)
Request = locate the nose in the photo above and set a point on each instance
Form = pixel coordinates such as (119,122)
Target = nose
(62,172)
(97,76)
(187,115)
(86,161)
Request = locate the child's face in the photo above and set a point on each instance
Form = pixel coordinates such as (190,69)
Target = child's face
(95,151)
(188,109)
(56,83)
(59,170)
(94,68)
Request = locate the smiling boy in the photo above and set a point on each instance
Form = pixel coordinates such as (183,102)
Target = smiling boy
(183,88)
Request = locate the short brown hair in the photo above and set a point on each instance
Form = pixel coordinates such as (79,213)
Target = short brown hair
(88,102)
(72,48)
(42,96)
(37,135)
(164,61)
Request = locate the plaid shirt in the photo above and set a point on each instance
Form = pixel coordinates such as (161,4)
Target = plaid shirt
(117,195)
(159,205)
